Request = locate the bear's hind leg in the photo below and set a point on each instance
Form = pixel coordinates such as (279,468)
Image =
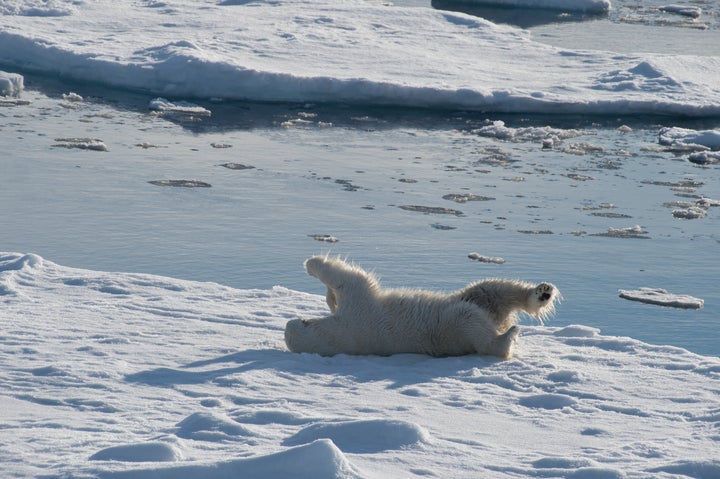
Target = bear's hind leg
(503,345)
(345,283)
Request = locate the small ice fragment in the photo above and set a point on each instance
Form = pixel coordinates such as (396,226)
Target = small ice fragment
(704,158)
(94,144)
(324,238)
(181,183)
(485,259)
(690,213)
(662,297)
(72,97)
(11,84)
(684,10)
(163,106)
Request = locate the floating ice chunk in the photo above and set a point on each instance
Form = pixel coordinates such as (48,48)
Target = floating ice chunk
(164,106)
(704,158)
(662,298)
(545,134)
(11,84)
(636,231)
(94,144)
(181,183)
(486,259)
(324,238)
(684,10)
(674,136)
(72,97)
(707,202)
(690,213)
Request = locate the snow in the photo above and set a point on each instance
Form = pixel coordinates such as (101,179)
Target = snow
(662,297)
(11,84)
(122,375)
(347,51)
(675,136)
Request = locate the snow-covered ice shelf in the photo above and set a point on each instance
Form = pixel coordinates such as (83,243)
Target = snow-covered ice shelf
(117,375)
(346,51)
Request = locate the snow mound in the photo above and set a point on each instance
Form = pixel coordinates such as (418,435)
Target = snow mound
(203,426)
(146,452)
(11,84)
(366,436)
(662,297)
(318,460)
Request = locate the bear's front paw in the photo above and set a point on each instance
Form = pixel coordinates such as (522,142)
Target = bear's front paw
(544,292)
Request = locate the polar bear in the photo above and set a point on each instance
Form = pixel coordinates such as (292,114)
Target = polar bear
(367,319)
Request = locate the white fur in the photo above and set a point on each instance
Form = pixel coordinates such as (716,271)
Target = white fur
(367,319)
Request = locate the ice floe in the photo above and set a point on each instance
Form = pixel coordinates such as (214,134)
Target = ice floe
(662,297)
(486,259)
(702,139)
(349,51)
(176,380)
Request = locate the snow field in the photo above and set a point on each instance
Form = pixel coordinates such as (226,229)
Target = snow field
(118,375)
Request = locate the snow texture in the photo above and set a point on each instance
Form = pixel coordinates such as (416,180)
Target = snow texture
(133,376)
(348,51)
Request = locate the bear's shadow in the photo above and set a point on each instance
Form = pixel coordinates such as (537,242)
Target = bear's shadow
(400,370)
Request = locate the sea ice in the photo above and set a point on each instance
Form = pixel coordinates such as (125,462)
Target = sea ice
(662,297)
(163,106)
(176,379)
(684,10)
(486,259)
(672,136)
(349,51)
(11,84)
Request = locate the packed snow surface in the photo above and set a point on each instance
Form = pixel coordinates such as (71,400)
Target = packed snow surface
(349,51)
(118,375)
